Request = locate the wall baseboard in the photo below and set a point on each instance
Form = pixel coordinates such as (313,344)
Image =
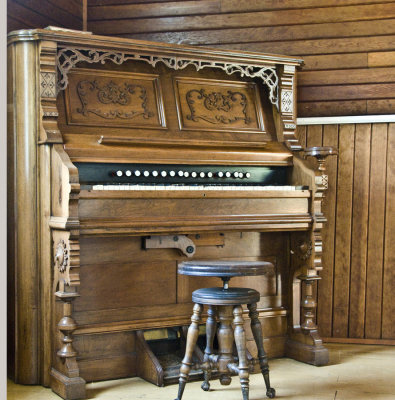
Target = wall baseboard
(356,119)
(388,342)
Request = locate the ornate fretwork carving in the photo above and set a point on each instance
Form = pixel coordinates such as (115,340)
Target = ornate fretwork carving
(47,84)
(216,101)
(112,93)
(69,57)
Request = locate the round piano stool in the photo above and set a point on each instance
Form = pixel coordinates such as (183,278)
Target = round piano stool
(224,309)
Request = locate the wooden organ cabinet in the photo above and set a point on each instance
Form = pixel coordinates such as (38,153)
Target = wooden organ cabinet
(127,157)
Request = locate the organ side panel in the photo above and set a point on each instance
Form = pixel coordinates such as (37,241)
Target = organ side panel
(65,374)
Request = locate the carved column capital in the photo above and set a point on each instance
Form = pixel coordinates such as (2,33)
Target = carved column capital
(287,107)
(49,132)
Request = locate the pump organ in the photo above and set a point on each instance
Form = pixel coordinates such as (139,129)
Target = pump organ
(122,153)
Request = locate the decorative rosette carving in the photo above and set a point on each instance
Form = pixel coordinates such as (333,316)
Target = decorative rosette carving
(61,256)
(304,249)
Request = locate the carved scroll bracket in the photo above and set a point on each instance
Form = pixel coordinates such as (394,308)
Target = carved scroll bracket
(69,57)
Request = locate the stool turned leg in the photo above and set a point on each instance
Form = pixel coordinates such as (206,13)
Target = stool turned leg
(240,339)
(192,336)
(211,327)
(225,342)
(257,332)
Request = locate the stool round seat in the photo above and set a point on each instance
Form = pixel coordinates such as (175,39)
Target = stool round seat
(225,268)
(217,296)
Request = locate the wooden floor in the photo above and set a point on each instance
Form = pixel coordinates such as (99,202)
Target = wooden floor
(355,372)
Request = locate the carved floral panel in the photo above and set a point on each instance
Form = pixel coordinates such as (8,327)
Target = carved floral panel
(218,105)
(118,99)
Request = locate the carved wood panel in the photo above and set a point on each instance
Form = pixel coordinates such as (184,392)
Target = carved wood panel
(104,98)
(218,105)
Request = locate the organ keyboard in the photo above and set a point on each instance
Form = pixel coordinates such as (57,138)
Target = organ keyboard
(191,187)
(114,143)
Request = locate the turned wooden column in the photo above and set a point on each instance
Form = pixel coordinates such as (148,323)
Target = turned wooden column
(308,304)
(303,342)
(67,326)
(313,264)
(67,382)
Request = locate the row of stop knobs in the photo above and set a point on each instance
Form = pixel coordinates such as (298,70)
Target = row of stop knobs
(184,174)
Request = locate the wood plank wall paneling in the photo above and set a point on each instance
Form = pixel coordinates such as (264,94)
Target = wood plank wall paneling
(355,299)
(388,312)
(30,14)
(348,45)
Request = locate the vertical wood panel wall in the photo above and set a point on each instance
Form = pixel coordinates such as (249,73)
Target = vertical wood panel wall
(355,294)
(348,45)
